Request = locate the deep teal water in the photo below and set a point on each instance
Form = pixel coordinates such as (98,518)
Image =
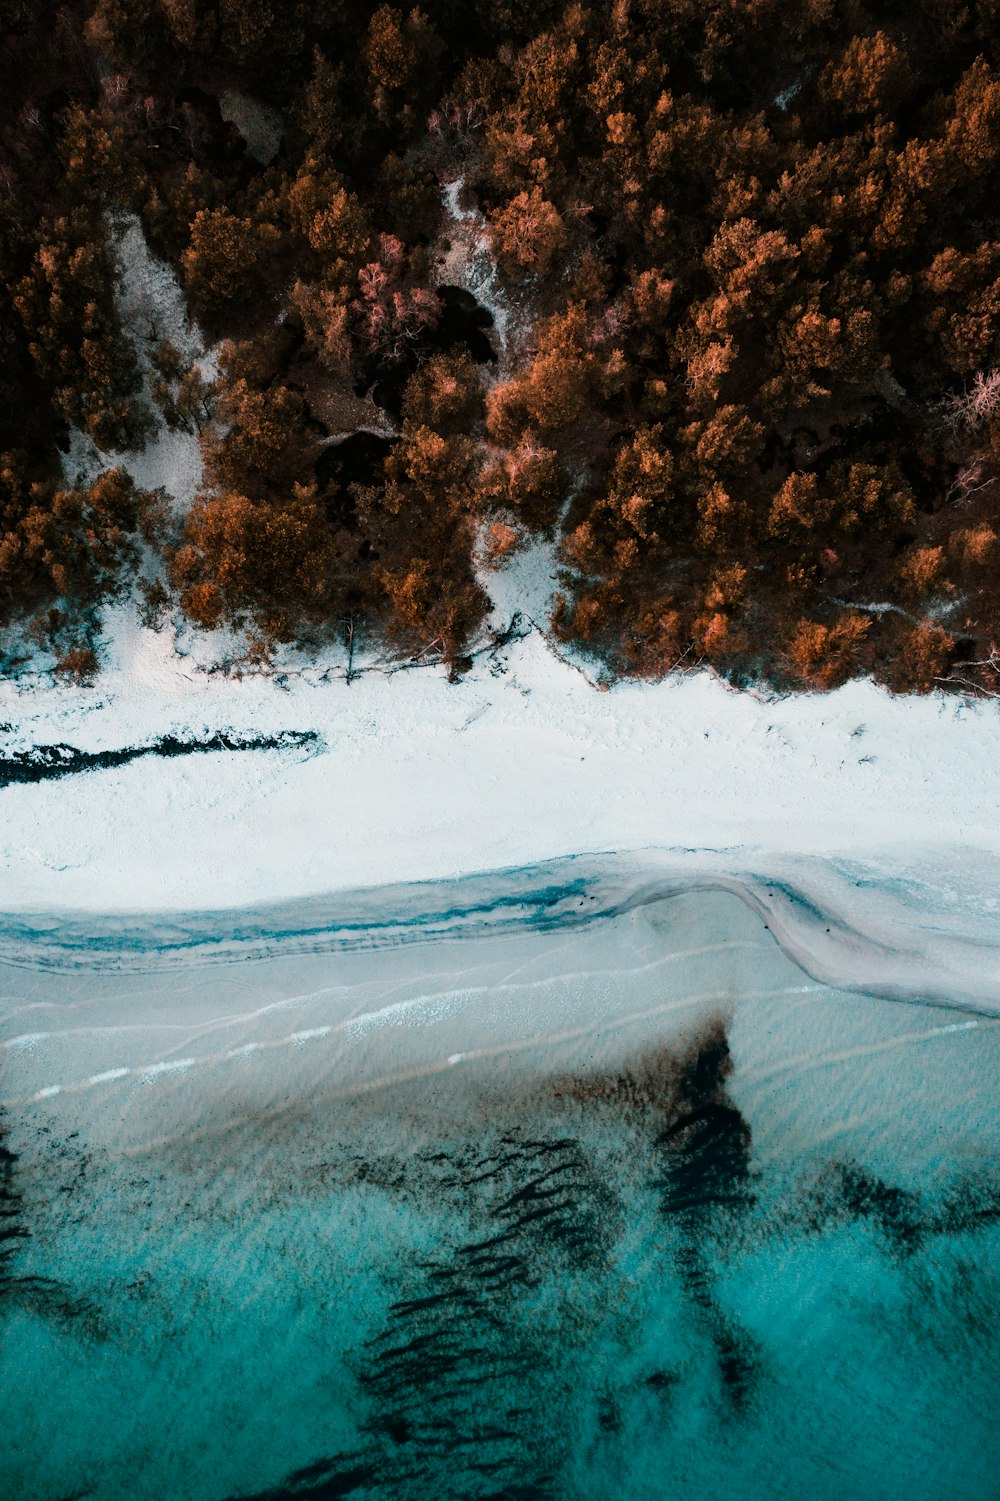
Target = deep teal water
(756,1258)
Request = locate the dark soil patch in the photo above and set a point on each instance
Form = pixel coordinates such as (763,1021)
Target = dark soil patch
(44,762)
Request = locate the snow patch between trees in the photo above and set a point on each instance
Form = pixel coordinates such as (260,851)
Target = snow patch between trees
(260,126)
(467,261)
(152,309)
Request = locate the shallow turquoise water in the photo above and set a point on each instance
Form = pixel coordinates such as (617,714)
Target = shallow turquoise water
(755,1256)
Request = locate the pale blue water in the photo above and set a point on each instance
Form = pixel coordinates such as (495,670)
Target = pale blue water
(754,1255)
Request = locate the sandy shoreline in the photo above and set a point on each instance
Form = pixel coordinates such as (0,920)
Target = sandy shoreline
(931,934)
(349,1008)
(533,969)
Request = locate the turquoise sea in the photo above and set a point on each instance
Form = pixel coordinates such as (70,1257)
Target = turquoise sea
(627,1207)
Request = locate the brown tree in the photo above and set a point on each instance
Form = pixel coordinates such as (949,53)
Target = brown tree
(331,220)
(445,393)
(527,234)
(822,656)
(229,261)
(272,563)
(526,483)
(258,446)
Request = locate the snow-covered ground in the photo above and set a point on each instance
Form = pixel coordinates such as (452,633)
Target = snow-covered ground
(152,309)
(466,261)
(875,804)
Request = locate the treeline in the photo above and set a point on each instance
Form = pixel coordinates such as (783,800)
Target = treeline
(752,250)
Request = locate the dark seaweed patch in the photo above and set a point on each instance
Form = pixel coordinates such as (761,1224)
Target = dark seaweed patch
(464,1387)
(325,1480)
(859,1194)
(12,1228)
(846,1191)
(973,1205)
(708,1152)
(44,1296)
(458,1369)
(702,1152)
(45,762)
(470,1393)
(706,1190)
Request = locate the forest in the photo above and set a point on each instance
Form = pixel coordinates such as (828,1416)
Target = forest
(749,390)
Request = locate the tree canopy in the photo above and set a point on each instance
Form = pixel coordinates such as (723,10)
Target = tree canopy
(751,383)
